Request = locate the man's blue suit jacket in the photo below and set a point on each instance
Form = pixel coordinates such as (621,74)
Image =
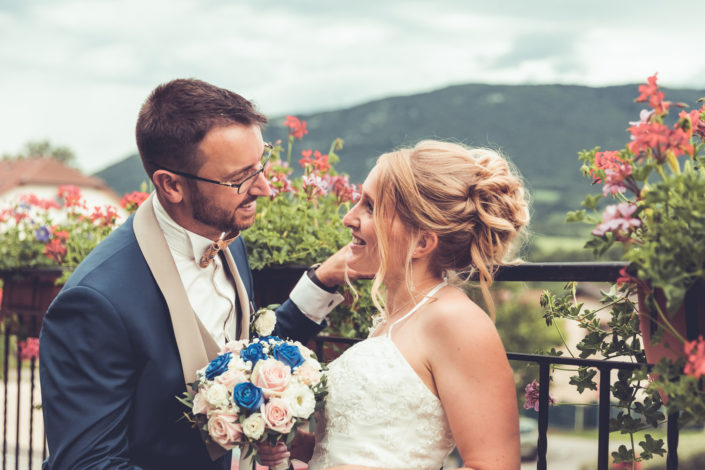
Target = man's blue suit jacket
(110,368)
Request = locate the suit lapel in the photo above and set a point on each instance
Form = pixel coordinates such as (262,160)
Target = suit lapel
(195,350)
(242,297)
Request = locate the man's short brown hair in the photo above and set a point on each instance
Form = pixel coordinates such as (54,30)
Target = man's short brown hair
(178,114)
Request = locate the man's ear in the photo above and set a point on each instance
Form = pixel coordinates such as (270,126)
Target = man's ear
(169,186)
(426,243)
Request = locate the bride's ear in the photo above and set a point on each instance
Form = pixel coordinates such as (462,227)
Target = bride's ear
(426,243)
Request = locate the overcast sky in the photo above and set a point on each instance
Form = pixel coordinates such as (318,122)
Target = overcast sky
(77,71)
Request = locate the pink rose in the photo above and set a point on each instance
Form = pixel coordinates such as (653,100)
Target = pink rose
(278,416)
(271,376)
(308,374)
(233,347)
(200,404)
(230,378)
(225,429)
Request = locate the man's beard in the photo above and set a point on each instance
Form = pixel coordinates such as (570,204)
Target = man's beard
(223,219)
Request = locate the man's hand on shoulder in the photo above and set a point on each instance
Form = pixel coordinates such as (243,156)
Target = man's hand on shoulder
(332,271)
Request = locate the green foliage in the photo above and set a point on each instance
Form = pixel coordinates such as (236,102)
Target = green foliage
(57,232)
(302,224)
(659,181)
(671,252)
(292,230)
(692,462)
(43,148)
(353,318)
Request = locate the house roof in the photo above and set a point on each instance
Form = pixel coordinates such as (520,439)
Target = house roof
(44,171)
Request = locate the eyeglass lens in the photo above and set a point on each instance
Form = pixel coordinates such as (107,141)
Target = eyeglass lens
(247,182)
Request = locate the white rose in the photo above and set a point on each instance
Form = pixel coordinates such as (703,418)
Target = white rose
(264,325)
(305,352)
(313,363)
(253,426)
(301,400)
(217,395)
(236,363)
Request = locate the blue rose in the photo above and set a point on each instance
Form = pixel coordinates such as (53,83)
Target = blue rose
(253,353)
(288,354)
(248,396)
(217,366)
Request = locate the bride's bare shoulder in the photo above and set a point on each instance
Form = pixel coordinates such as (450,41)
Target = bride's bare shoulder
(454,318)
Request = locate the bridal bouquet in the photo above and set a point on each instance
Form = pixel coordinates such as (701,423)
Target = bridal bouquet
(256,391)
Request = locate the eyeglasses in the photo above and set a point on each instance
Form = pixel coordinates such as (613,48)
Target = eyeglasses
(242,186)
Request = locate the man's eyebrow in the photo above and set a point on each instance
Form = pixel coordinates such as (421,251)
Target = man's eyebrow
(241,172)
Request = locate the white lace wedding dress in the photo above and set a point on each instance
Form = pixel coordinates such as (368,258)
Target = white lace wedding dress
(378,411)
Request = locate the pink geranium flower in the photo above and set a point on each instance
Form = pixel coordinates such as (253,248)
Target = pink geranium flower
(29,348)
(531,397)
(618,219)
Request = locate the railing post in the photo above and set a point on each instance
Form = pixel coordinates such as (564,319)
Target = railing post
(672,438)
(5,373)
(604,420)
(544,383)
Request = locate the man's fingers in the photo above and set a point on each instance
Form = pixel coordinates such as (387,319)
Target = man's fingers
(272,456)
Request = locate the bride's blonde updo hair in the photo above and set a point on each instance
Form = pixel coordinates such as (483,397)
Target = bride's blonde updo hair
(471,198)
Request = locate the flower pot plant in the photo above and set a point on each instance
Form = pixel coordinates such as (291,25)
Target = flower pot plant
(300,224)
(657,183)
(42,240)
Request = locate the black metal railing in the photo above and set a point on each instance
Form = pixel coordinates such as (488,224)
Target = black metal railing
(528,272)
(23,440)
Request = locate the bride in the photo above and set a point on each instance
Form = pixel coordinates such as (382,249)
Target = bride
(433,373)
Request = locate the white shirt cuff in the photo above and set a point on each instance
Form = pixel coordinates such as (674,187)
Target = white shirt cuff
(313,301)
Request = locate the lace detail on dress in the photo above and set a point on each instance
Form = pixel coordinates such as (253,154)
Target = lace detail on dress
(378,412)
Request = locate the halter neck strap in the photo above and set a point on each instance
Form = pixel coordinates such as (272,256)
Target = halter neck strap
(416,307)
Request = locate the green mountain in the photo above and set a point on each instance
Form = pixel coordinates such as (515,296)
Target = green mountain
(541,128)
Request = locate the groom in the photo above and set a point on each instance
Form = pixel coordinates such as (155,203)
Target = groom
(156,300)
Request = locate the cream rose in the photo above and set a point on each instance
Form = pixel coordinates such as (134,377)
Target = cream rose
(265,322)
(253,426)
(237,363)
(271,376)
(225,429)
(300,399)
(278,415)
(309,372)
(217,395)
(305,352)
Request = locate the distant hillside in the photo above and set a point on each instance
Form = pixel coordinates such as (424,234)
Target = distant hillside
(541,128)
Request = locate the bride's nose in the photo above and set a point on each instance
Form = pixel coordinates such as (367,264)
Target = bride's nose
(350,220)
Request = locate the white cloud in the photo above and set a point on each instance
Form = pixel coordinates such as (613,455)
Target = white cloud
(76,71)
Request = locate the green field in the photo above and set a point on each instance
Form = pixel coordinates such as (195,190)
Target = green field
(547,243)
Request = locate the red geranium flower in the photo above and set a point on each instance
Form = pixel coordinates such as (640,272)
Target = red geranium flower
(71,195)
(696,357)
(130,202)
(296,127)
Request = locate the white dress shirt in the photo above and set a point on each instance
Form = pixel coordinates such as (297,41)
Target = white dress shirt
(212,293)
